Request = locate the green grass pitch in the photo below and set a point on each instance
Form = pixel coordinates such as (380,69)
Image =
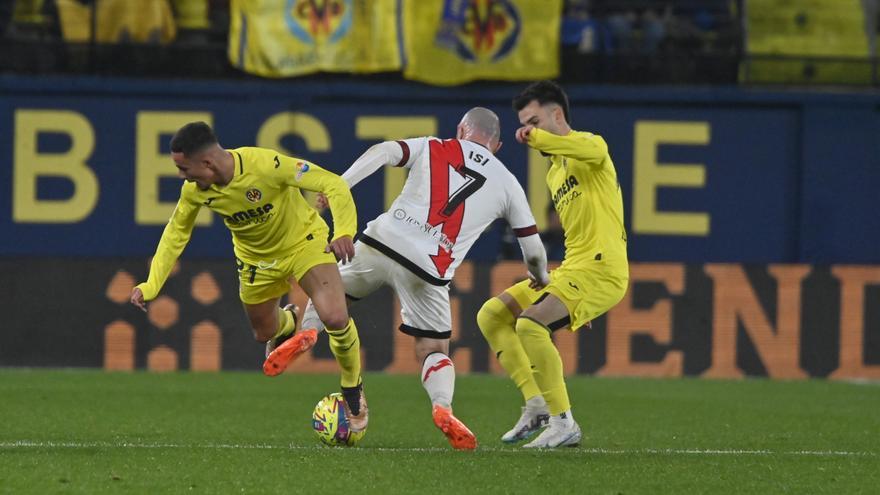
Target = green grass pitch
(92,432)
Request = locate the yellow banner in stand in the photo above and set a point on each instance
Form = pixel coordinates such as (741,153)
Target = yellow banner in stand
(457,41)
(282,38)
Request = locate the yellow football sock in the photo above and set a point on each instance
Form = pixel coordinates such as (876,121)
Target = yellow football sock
(497,324)
(346,346)
(546,363)
(286,323)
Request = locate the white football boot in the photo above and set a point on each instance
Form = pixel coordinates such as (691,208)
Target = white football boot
(562,432)
(535,416)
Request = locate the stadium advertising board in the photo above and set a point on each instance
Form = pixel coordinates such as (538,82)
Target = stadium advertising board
(787,321)
(723,177)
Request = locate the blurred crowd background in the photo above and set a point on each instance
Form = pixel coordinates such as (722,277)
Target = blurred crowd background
(600,41)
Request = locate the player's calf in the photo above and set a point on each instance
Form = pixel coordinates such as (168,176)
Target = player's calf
(285,328)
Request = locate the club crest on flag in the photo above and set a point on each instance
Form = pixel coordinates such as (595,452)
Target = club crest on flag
(480,30)
(318,21)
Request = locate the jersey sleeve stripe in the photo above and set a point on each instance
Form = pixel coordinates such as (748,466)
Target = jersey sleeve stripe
(526,231)
(240,163)
(405,148)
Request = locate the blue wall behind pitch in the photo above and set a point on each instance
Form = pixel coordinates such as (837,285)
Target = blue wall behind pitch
(790,176)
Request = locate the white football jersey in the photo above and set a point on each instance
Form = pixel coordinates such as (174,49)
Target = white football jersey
(454,191)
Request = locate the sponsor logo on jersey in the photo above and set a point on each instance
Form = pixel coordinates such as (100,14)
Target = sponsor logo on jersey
(316,22)
(432,231)
(301,168)
(261,214)
(253,195)
(480,30)
(566,187)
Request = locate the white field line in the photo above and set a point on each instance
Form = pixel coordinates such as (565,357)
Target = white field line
(509,450)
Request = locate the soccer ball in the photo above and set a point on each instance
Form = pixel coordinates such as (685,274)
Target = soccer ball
(330,423)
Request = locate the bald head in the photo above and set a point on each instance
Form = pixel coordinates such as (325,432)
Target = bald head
(481,125)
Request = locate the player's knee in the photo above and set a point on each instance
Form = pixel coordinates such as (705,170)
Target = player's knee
(336,319)
(528,328)
(425,347)
(493,314)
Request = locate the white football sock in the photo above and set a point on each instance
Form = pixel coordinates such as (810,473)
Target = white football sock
(564,418)
(438,378)
(311,319)
(536,403)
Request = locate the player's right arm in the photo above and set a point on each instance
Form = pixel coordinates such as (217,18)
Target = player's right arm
(302,174)
(581,146)
(388,153)
(174,238)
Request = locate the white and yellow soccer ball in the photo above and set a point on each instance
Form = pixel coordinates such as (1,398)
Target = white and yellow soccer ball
(330,423)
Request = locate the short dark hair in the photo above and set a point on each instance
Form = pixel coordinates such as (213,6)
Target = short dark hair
(544,92)
(192,138)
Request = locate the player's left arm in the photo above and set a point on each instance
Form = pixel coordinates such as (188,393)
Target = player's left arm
(306,175)
(174,239)
(581,146)
(519,216)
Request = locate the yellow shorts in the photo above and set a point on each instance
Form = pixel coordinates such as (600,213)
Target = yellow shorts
(588,289)
(261,281)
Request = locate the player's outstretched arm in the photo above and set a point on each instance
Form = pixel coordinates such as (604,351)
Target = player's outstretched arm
(534,254)
(535,257)
(137,298)
(385,154)
(580,146)
(388,153)
(174,238)
(311,177)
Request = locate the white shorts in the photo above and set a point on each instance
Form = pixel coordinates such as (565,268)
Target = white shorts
(424,308)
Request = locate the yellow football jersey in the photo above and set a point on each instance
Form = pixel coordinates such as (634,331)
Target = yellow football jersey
(263,208)
(584,188)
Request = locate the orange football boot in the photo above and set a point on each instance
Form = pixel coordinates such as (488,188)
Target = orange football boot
(459,436)
(281,352)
